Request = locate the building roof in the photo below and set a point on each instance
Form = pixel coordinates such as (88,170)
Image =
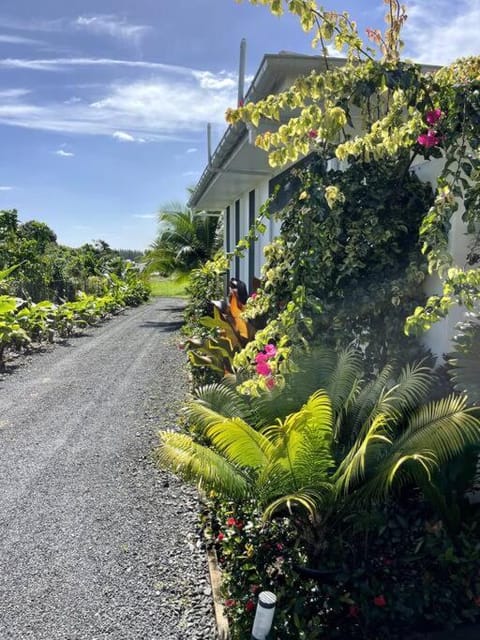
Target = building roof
(236,164)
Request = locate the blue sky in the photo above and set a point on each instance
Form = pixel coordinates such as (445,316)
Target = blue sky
(104,103)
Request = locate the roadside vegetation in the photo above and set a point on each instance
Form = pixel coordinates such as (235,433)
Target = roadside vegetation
(49,291)
(339,460)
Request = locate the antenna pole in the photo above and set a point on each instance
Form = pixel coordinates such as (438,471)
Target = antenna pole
(241,72)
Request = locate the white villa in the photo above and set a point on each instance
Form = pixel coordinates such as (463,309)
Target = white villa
(239,179)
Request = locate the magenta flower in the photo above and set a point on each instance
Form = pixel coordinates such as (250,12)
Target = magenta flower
(432,117)
(313,133)
(270,350)
(263,369)
(429,139)
(261,357)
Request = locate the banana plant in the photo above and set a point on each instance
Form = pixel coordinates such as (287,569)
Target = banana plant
(11,333)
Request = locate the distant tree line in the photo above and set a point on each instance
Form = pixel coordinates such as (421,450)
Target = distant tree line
(50,271)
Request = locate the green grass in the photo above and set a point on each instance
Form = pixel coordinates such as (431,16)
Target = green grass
(166,288)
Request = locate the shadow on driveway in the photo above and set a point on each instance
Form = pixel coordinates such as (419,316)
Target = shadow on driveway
(167,327)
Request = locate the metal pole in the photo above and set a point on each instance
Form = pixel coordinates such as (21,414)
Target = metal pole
(241,72)
(209,143)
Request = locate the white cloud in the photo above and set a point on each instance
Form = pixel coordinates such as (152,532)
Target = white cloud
(5,188)
(64,154)
(12,94)
(192,150)
(223,80)
(441,34)
(113,26)
(126,137)
(9,39)
(191,174)
(33,24)
(64,64)
(174,104)
(145,216)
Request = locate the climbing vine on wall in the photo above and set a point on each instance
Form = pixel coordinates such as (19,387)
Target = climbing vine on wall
(377,107)
(349,239)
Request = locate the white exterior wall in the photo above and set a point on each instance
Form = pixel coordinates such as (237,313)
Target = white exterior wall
(439,337)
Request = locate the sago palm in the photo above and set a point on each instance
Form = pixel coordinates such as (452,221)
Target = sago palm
(282,464)
(354,442)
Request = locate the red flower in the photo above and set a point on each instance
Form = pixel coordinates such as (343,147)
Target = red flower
(261,357)
(230,602)
(270,382)
(220,536)
(313,133)
(433,116)
(429,139)
(250,605)
(379,601)
(231,522)
(353,611)
(279,546)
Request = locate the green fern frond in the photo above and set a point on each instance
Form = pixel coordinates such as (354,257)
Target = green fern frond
(344,378)
(366,405)
(445,427)
(413,385)
(364,455)
(194,462)
(306,500)
(240,443)
(224,400)
(201,415)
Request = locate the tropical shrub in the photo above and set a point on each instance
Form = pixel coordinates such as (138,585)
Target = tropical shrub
(395,571)
(349,446)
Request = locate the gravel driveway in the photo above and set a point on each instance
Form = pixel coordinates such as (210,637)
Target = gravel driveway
(95,542)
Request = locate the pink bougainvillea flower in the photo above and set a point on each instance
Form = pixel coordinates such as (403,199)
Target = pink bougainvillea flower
(263,369)
(279,546)
(261,357)
(270,382)
(253,295)
(271,350)
(379,601)
(230,602)
(249,606)
(313,133)
(220,536)
(429,139)
(374,35)
(231,522)
(433,116)
(353,611)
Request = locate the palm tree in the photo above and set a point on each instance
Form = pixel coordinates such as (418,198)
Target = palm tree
(185,240)
(350,444)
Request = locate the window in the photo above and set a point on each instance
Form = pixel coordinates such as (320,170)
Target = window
(251,249)
(287,184)
(237,237)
